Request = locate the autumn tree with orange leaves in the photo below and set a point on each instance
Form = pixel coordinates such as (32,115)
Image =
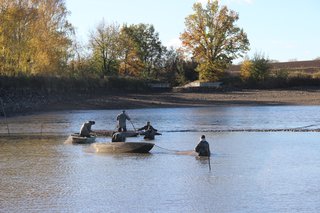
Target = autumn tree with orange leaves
(34,37)
(212,39)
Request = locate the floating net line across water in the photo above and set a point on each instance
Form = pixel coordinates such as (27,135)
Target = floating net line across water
(250,130)
(48,134)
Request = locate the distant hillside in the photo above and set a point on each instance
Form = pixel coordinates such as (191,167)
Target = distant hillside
(305,66)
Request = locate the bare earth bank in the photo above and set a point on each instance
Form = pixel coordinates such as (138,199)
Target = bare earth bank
(34,102)
(171,99)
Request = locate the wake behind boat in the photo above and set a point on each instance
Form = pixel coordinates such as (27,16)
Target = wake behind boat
(122,147)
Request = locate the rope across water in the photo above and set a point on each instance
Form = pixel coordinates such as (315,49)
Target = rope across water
(171,150)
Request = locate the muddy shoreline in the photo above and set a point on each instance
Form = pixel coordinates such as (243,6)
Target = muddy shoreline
(34,102)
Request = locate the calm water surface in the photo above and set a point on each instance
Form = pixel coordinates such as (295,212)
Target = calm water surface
(251,171)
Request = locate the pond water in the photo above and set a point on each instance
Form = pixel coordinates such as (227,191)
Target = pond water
(255,171)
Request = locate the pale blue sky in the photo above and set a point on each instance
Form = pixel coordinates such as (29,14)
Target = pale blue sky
(280,29)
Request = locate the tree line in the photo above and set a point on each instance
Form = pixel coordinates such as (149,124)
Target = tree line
(36,39)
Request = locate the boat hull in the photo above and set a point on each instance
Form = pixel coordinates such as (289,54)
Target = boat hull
(108,133)
(76,139)
(122,147)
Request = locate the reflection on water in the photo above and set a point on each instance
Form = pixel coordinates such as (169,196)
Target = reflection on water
(251,171)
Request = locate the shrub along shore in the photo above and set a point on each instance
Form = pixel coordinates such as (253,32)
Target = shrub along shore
(32,94)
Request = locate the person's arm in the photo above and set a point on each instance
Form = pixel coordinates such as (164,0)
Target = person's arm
(197,148)
(81,129)
(144,128)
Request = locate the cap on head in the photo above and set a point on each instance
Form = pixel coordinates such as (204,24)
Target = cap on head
(203,137)
(148,122)
(92,122)
(123,111)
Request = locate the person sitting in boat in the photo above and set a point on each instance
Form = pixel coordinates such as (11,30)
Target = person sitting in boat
(121,118)
(85,129)
(150,132)
(203,148)
(118,137)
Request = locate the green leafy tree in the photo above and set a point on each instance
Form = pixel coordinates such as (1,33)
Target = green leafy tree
(130,62)
(213,39)
(79,65)
(172,67)
(261,67)
(177,70)
(256,69)
(105,45)
(145,51)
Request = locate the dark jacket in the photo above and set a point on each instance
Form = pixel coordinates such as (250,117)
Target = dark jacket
(118,137)
(203,148)
(148,127)
(121,118)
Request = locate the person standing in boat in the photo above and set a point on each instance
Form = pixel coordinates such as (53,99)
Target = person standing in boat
(85,129)
(121,118)
(203,148)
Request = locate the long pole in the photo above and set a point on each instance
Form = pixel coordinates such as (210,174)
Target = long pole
(5,116)
(133,126)
(209,159)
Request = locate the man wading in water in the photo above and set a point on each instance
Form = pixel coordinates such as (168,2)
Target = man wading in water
(149,131)
(203,148)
